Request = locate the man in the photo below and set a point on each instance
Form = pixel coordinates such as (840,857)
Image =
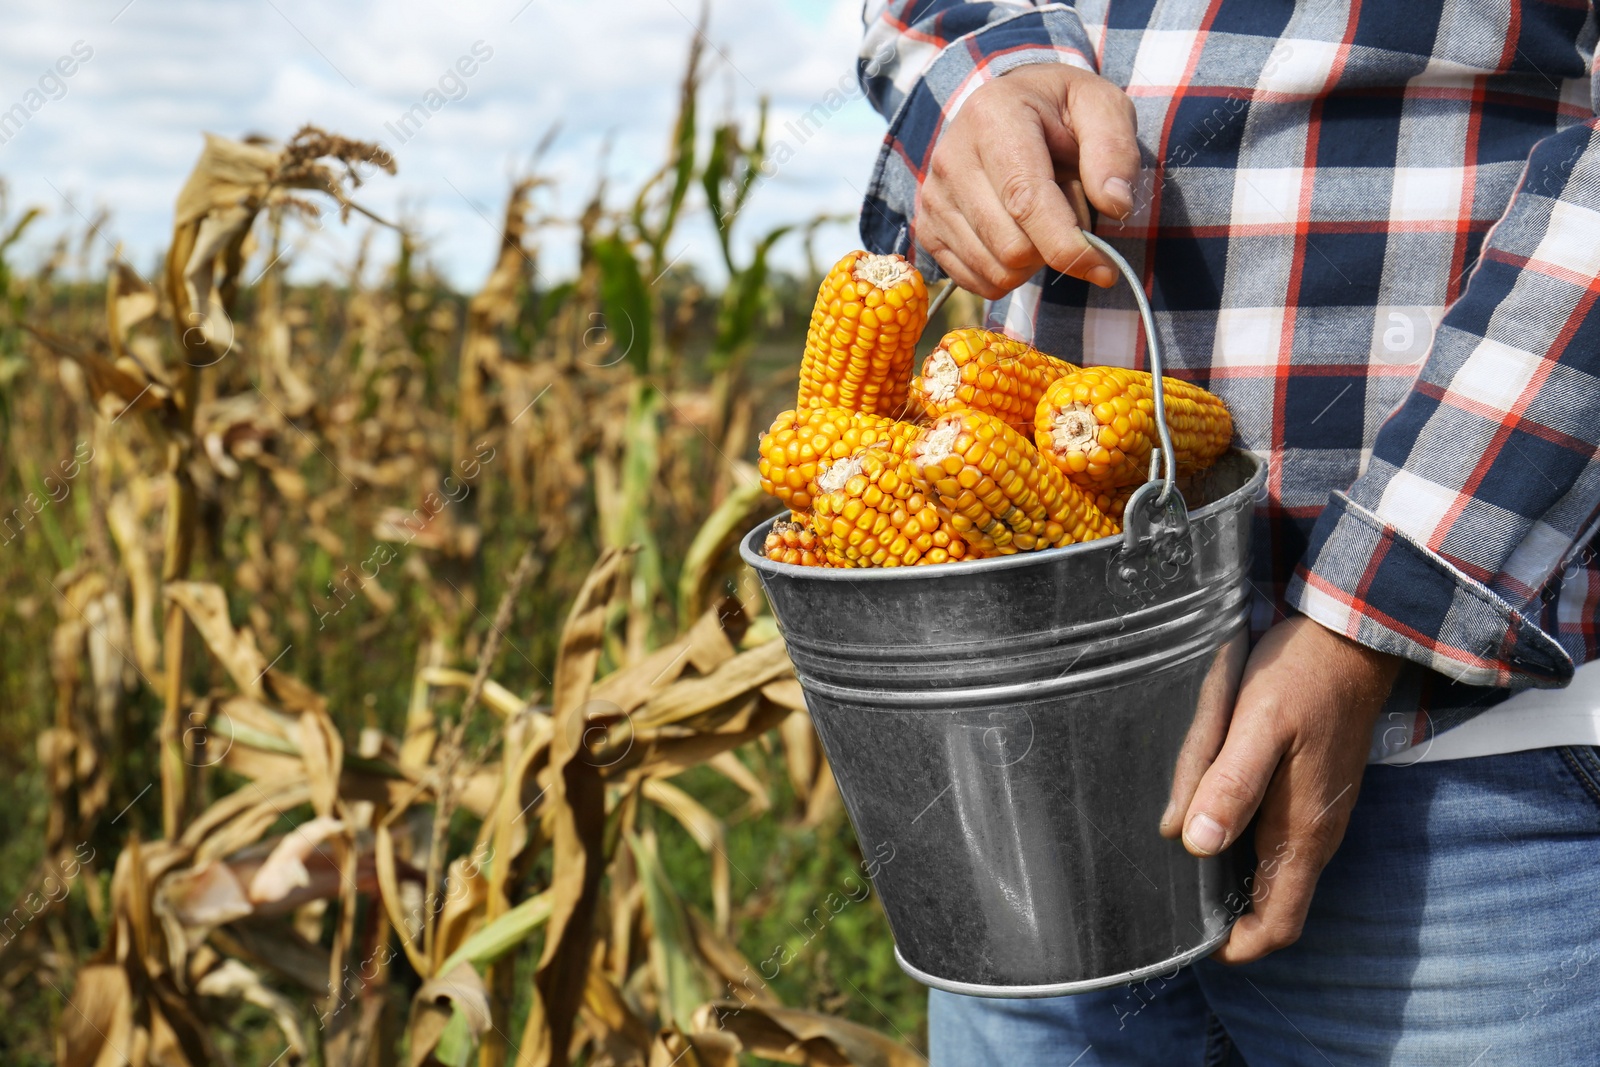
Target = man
(1374,230)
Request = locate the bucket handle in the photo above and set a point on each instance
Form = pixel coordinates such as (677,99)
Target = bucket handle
(1157,390)
(1155,522)
(1155,508)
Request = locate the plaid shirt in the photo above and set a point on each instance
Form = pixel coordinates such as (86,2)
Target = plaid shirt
(1374,230)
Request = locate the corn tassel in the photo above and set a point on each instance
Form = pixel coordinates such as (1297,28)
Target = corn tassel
(979,370)
(801,444)
(869,314)
(1097,425)
(870,513)
(1002,496)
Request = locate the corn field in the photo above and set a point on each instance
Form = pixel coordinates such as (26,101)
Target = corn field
(380,681)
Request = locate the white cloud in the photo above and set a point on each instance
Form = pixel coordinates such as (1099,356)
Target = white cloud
(128,129)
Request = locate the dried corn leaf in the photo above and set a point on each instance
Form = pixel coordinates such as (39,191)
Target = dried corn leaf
(278,948)
(731,767)
(665,755)
(233,979)
(496,696)
(734,678)
(805,1037)
(387,868)
(284,871)
(101,1022)
(130,300)
(458,995)
(629,688)
(801,754)
(576,806)
(674,1048)
(126,521)
(207,608)
(712,637)
(620,1038)
(465,891)
(206,896)
(240,818)
(117,386)
(787,693)
(824,802)
(322,749)
(729,964)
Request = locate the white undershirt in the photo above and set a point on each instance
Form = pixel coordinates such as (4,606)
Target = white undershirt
(1534,718)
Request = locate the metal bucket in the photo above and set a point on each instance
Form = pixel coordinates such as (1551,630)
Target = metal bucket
(1006,732)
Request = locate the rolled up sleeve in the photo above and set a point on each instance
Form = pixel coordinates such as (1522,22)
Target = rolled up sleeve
(1483,485)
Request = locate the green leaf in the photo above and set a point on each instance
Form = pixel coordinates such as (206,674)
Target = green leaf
(679,981)
(716,534)
(456,1046)
(742,301)
(17,230)
(683,137)
(754,156)
(494,940)
(714,179)
(624,301)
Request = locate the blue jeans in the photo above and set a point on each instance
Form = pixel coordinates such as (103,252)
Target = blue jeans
(1458,924)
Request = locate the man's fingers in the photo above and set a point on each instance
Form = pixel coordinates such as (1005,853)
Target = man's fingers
(1022,175)
(1280,896)
(962,253)
(1200,746)
(1103,123)
(996,229)
(1231,790)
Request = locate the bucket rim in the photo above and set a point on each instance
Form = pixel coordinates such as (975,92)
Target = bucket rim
(749,550)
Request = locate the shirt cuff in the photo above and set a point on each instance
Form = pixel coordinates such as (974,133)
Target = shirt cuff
(1377,586)
(1050,35)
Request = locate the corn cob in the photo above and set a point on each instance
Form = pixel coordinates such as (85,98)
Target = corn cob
(1097,424)
(869,313)
(989,372)
(794,542)
(801,444)
(870,513)
(1002,496)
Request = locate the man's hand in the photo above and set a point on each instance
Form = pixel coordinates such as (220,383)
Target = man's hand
(993,210)
(1295,750)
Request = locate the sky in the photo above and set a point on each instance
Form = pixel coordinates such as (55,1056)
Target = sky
(122,131)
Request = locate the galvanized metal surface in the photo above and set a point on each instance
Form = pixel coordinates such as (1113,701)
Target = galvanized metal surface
(1006,731)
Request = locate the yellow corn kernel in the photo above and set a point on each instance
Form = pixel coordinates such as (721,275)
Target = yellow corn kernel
(801,444)
(870,513)
(1097,425)
(794,542)
(1002,496)
(869,314)
(1113,503)
(980,370)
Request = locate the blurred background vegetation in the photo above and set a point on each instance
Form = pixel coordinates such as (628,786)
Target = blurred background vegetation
(384,498)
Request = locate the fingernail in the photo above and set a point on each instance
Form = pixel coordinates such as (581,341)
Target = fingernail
(1104,277)
(1119,189)
(1204,835)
